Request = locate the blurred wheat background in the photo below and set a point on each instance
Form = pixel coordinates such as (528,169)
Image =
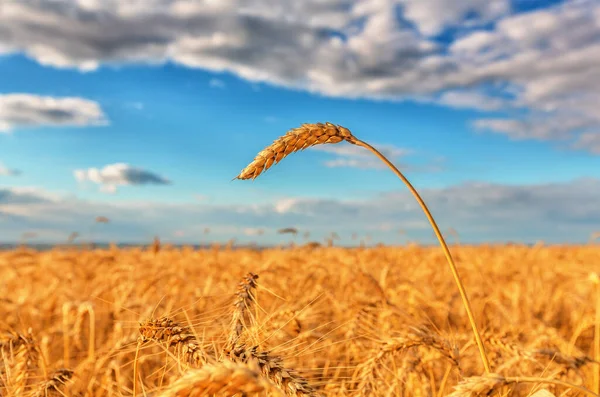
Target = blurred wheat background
(384,321)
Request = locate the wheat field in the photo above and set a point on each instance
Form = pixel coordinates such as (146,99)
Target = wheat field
(306,321)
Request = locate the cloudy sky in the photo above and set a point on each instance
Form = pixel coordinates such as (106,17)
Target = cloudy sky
(144,110)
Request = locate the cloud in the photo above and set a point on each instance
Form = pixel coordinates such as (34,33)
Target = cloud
(253,231)
(5,171)
(589,141)
(26,110)
(119,174)
(556,212)
(464,99)
(431,16)
(544,62)
(358,157)
(201,197)
(25,195)
(550,61)
(216,83)
(135,105)
(533,128)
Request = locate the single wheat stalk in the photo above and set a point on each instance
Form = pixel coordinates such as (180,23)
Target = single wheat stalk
(272,368)
(479,385)
(573,362)
(499,345)
(169,333)
(156,245)
(223,378)
(53,384)
(66,309)
(417,337)
(82,310)
(20,351)
(595,279)
(244,299)
(317,134)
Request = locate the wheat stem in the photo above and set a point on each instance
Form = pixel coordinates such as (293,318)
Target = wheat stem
(457,279)
(596,283)
(487,384)
(135,367)
(558,382)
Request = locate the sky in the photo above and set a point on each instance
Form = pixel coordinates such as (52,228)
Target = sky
(143,111)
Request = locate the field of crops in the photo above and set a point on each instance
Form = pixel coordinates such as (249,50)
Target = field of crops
(384,321)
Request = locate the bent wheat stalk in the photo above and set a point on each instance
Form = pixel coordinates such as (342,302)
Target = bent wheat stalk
(309,135)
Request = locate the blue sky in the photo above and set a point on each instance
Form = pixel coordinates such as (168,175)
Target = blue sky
(487,106)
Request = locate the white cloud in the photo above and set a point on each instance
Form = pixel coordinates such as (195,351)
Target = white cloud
(464,99)
(285,205)
(589,141)
(533,128)
(26,110)
(118,174)
(201,197)
(26,195)
(431,16)
(5,171)
(545,62)
(552,59)
(353,156)
(555,212)
(216,83)
(253,231)
(135,105)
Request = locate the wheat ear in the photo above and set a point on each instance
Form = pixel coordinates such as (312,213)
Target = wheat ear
(245,297)
(485,385)
(418,337)
(316,134)
(169,333)
(23,351)
(296,139)
(273,368)
(53,384)
(223,378)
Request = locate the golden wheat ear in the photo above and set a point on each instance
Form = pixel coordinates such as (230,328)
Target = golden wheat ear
(294,140)
(317,134)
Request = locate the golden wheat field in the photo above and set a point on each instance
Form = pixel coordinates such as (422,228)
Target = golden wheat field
(385,321)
